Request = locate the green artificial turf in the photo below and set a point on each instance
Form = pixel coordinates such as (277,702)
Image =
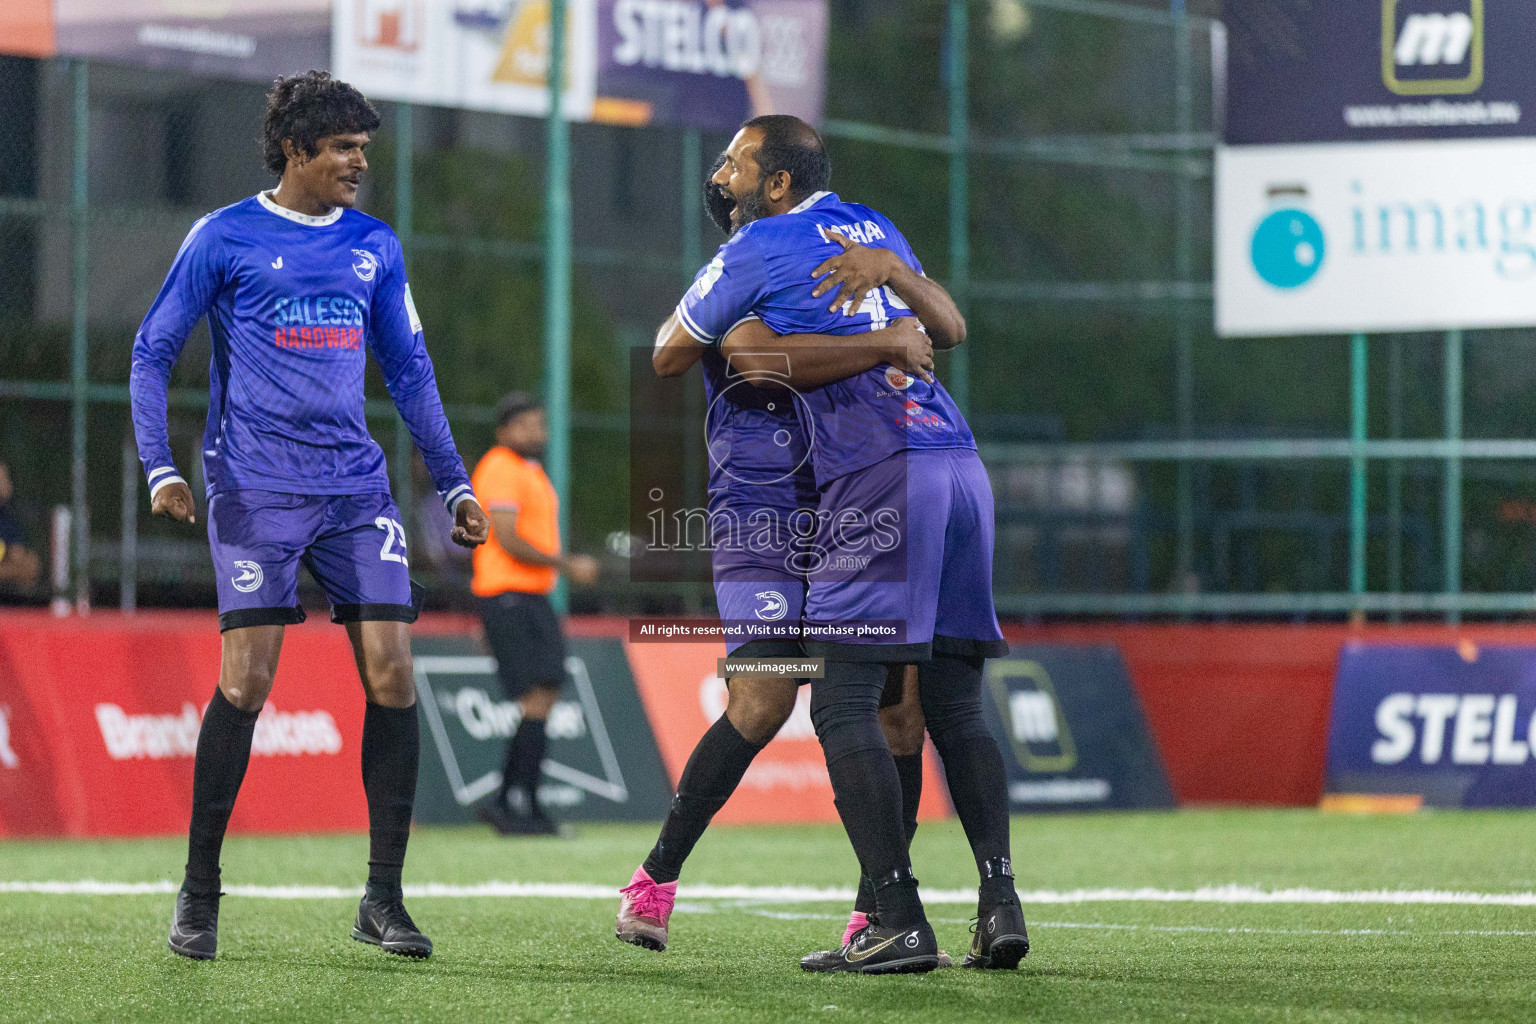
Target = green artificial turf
(103,958)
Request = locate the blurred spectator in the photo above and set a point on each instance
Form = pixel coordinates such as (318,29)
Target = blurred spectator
(19,565)
(515,571)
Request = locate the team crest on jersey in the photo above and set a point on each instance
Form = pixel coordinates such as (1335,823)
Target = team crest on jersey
(773,607)
(367,264)
(248,578)
(897,379)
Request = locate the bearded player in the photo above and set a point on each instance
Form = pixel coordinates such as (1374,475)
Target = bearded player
(887,450)
(762,501)
(298,287)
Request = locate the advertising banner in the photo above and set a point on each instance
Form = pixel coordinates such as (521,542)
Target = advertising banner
(787,781)
(1071,730)
(712,64)
(482,56)
(705,63)
(1371,70)
(1389,236)
(26,28)
(253,40)
(1453,725)
(602,763)
(99,724)
(1375,164)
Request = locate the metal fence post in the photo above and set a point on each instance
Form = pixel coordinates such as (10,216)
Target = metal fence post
(78,347)
(128,552)
(557,282)
(1183,270)
(1358,379)
(959,195)
(405,496)
(1395,471)
(1450,498)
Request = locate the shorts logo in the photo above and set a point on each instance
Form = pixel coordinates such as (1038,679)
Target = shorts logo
(896,379)
(367,264)
(248,578)
(773,607)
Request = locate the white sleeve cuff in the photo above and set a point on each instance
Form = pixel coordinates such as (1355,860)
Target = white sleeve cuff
(695,332)
(154,488)
(459,494)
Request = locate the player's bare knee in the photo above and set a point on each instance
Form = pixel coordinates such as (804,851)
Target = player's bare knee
(903,727)
(759,707)
(539,702)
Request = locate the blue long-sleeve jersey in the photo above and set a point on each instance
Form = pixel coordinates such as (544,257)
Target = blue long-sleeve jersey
(765,271)
(294,304)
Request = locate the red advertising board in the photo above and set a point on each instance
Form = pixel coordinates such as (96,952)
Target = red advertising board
(101,720)
(26,28)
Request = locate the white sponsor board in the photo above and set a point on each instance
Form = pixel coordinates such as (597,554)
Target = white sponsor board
(490,56)
(1383,236)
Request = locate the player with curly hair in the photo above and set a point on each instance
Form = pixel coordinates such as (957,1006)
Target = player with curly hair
(298,287)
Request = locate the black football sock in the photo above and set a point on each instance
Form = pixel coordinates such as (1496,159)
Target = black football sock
(391,749)
(978,785)
(223,752)
(909,769)
(528,748)
(865,785)
(509,763)
(713,772)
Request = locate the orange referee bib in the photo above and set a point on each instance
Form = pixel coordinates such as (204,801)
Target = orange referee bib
(505,480)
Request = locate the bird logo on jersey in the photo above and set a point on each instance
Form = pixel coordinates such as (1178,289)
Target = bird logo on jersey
(248,578)
(774,606)
(367,264)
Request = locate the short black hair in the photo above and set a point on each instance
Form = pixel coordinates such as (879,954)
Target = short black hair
(306,108)
(789,144)
(513,405)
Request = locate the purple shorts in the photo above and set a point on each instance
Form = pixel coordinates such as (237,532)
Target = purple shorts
(352,544)
(903,561)
(757,604)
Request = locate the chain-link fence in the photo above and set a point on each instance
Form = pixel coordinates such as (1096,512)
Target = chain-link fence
(1050,162)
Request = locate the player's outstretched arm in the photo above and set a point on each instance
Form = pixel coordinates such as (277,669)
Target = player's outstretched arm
(771,360)
(848,276)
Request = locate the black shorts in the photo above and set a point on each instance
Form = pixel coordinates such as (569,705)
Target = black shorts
(525,638)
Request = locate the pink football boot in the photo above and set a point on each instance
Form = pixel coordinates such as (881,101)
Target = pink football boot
(644,907)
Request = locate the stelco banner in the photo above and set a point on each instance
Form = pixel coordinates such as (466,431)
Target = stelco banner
(706,63)
(1455,725)
(1071,730)
(1375,168)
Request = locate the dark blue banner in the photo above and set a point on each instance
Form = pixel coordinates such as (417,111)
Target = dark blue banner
(1455,725)
(1362,70)
(1071,730)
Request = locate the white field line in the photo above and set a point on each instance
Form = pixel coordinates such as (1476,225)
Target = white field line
(782,915)
(1227,894)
